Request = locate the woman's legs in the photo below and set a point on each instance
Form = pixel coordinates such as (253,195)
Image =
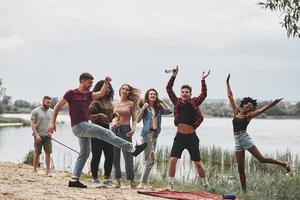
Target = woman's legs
(116,159)
(256,153)
(240,159)
(121,131)
(96,156)
(109,154)
(149,157)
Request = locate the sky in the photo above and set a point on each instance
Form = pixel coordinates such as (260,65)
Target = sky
(45,46)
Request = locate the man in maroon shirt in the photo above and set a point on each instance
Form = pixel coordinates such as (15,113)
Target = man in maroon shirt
(187,119)
(79,100)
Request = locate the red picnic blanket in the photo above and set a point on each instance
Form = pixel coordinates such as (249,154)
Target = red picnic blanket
(183,195)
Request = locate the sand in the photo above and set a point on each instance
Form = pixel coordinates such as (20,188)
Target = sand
(17,181)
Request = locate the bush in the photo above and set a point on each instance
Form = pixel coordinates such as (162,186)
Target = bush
(28,159)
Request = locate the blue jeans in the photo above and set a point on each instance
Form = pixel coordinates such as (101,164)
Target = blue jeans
(85,131)
(122,131)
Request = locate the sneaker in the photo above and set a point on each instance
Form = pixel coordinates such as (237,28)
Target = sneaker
(48,174)
(139,149)
(170,187)
(107,183)
(118,183)
(36,173)
(76,184)
(96,183)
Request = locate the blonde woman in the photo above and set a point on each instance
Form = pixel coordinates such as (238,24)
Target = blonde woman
(124,110)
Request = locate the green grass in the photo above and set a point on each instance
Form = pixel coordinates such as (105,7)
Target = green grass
(264,181)
(28,158)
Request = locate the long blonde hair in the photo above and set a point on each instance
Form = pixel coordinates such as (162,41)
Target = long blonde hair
(134,93)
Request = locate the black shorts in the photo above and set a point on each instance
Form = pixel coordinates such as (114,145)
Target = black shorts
(186,141)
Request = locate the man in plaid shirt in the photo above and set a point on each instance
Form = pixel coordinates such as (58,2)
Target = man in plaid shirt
(187,119)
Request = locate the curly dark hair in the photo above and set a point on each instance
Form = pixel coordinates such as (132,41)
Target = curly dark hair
(98,87)
(245,100)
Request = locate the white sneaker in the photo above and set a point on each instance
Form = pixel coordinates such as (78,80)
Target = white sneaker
(107,183)
(96,184)
(36,173)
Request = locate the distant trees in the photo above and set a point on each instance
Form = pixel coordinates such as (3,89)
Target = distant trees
(54,100)
(223,109)
(2,94)
(20,103)
(290,10)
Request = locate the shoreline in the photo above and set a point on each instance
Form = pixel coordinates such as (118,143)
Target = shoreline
(16,124)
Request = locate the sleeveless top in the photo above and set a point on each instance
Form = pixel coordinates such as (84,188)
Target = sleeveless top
(240,124)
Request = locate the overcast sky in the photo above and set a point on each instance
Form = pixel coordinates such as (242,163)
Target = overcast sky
(46,44)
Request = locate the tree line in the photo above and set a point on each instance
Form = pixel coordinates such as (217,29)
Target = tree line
(216,108)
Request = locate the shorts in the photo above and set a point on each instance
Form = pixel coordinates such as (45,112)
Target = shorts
(186,141)
(242,141)
(46,143)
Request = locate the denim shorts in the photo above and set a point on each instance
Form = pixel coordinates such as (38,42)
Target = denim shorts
(242,141)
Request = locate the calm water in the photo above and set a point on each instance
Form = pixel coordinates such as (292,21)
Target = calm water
(269,135)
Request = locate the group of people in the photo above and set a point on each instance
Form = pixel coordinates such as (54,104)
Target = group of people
(114,123)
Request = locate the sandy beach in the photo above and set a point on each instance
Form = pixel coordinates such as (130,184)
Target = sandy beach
(18,181)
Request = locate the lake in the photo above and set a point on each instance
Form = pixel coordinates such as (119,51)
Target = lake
(270,136)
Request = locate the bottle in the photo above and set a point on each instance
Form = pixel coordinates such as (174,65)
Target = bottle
(170,70)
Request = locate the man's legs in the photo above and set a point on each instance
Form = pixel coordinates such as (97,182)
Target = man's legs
(85,146)
(172,170)
(47,142)
(193,149)
(36,161)
(85,129)
(37,152)
(47,160)
(200,169)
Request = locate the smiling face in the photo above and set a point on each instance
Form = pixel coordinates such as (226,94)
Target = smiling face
(247,107)
(152,96)
(46,103)
(86,84)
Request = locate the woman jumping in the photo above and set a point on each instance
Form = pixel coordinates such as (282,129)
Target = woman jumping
(242,117)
